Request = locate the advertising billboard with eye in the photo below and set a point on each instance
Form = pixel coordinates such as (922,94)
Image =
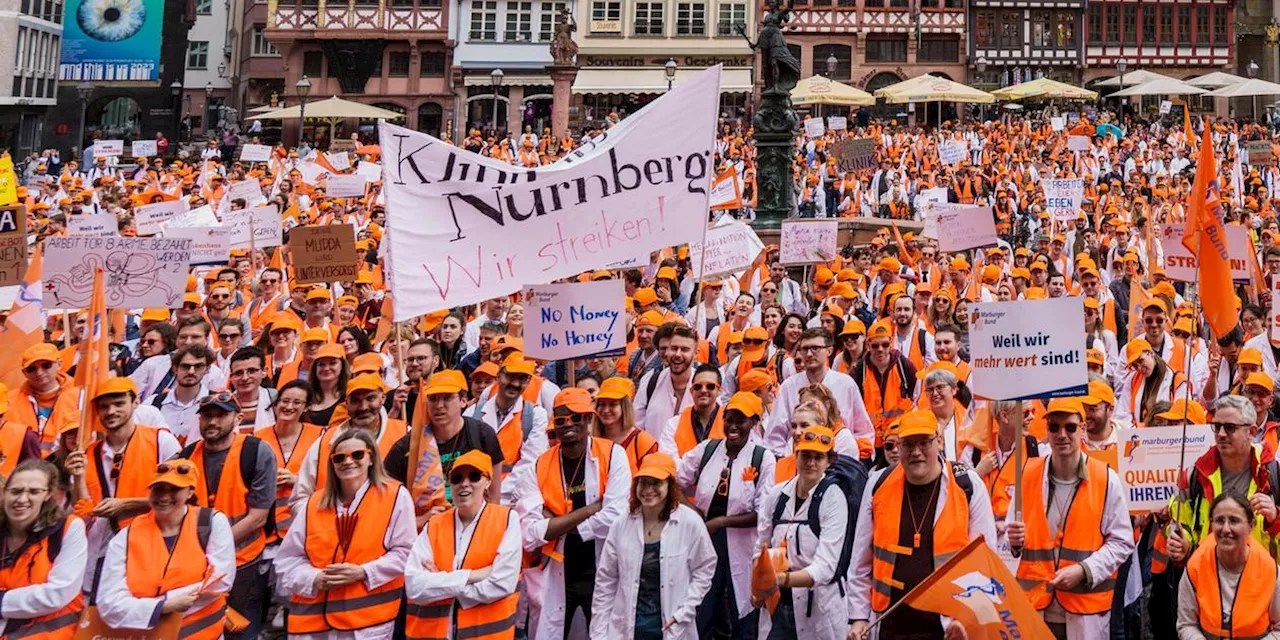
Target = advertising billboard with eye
(112,40)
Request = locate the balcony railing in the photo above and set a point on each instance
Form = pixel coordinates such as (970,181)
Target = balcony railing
(292,16)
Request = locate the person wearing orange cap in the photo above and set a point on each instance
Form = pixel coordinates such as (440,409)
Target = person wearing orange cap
(1150,380)
(1191,362)
(615,420)
(852,340)
(143,578)
(1260,389)
(462,573)
(663,392)
(40,402)
(1074,589)
(299,367)
(521,426)
(644,357)
(577,492)
(814,352)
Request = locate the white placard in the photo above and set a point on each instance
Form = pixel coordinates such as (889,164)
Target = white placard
(808,241)
(1275,312)
(98,225)
(340,160)
(929,199)
(953,152)
(141,272)
(209,245)
(265,222)
(837,123)
(1165,107)
(351,186)
(575,320)
(371,171)
(248,190)
(1058,123)
(962,226)
(1149,457)
(201,216)
(144,149)
(813,127)
(255,153)
(108,148)
(1180,265)
(1063,197)
(150,218)
(1078,143)
(731,248)
(1027,349)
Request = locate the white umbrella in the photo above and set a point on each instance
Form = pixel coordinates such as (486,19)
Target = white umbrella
(1215,80)
(1250,87)
(334,108)
(1135,77)
(1160,87)
(263,109)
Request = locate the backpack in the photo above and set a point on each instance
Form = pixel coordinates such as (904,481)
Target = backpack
(850,477)
(713,445)
(959,470)
(248,462)
(526,418)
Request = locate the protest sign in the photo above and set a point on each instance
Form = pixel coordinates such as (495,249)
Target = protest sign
(1078,143)
(1259,152)
(150,218)
(324,254)
(575,320)
(1058,123)
(140,272)
(342,145)
(813,127)
(1165,107)
(962,226)
(1063,197)
(1027,349)
(255,153)
(248,190)
(730,248)
(201,216)
(143,149)
(108,148)
(1149,457)
(209,245)
(726,191)
(929,199)
(837,123)
(808,241)
(953,152)
(97,224)
(264,221)
(13,244)
(345,186)
(339,161)
(1181,265)
(484,229)
(854,154)
(371,171)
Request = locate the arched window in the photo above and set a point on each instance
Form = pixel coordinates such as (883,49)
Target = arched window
(430,116)
(843,54)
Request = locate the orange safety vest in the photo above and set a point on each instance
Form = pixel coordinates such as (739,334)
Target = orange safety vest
(551,481)
(965,191)
(137,468)
(915,354)
(149,573)
(883,405)
(638,445)
(686,439)
(12,434)
(32,567)
(293,462)
(1250,615)
(722,341)
(353,606)
(232,496)
(1079,538)
(22,409)
(1135,393)
(950,530)
(391,432)
(511,436)
(493,621)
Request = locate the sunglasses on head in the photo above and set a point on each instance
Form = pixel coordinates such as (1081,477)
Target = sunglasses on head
(1055,427)
(180,468)
(571,419)
(473,476)
(809,436)
(221,396)
(356,456)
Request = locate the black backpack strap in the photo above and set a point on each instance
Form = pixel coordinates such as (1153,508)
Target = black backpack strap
(779,508)
(708,450)
(961,473)
(1031,446)
(188,450)
(204,526)
(920,340)
(652,384)
(158,400)
(757,459)
(880,480)
(54,546)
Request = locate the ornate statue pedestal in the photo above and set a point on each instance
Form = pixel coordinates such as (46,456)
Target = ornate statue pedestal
(562,77)
(775,125)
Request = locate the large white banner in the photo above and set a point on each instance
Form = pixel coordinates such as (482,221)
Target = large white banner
(463,229)
(1027,349)
(140,272)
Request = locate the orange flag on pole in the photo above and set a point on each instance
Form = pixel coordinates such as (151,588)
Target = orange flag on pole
(25,325)
(94,367)
(1205,237)
(976,589)
(1187,131)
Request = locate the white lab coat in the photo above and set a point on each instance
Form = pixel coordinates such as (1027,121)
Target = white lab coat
(688,563)
(530,449)
(1126,407)
(1197,366)
(744,497)
(551,622)
(65,580)
(118,606)
(653,412)
(730,384)
(424,586)
(777,431)
(667,441)
(296,575)
(829,618)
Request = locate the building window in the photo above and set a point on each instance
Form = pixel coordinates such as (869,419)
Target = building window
(730,15)
(398,65)
(261,47)
(197,55)
(519,22)
(1166,23)
(1095,22)
(606,16)
(1184,26)
(886,48)
(1065,34)
(844,61)
(986,27)
(429,116)
(939,48)
(432,64)
(547,20)
(648,19)
(691,19)
(1148,24)
(312,63)
(1112,35)
(484,19)
(204,7)
(1220,25)
(54,13)
(1041,29)
(1011,30)
(22,39)
(1202,24)
(873,4)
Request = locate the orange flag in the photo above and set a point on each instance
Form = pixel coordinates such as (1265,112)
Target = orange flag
(1187,130)
(1138,298)
(94,367)
(25,325)
(1206,238)
(976,589)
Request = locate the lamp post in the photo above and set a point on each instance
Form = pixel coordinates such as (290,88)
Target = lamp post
(175,90)
(670,69)
(1121,66)
(85,91)
(981,67)
(1253,73)
(303,87)
(495,81)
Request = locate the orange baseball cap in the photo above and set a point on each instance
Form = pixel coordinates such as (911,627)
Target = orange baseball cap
(331,350)
(644,297)
(316,334)
(616,388)
(447,381)
(486,368)
(1070,404)
(657,465)
(1099,391)
(820,439)
(746,403)
(113,386)
(367,363)
(179,472)
(43,352)
(365,382)
(574,399)
(476,459)
(517,364)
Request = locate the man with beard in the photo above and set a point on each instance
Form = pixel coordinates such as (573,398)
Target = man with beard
(178,405)
(662,393)
(268,301)
(909,335)
(420,361)
(118,466)
(946,346)
(645,356)
(699,421)
(814,353)
(520,425)
(237,476)
(790,295)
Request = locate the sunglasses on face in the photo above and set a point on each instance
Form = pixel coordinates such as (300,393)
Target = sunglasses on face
(706,386)
(574,419)
(356,456)
(473,476)
(1055,427)
(890,446)
(230,336)
(754,341)
(41,366)
(1228,428)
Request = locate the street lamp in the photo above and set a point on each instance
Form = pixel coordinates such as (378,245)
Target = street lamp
(670,69)
(981,66)
(303,87)
(85,90)
(831,66)
(222,69)
(495,81)
(1253,73)
(1121,66)
(175,90)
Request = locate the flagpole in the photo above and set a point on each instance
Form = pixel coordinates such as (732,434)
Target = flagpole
(1186,413)
(955,559)
(1019,459)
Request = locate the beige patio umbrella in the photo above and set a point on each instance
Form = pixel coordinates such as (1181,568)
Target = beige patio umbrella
(1215,80)
(929,88)
(1137,76)
(819,90)
(1247,88)
(331,110)
(1160,87)
(1045,89)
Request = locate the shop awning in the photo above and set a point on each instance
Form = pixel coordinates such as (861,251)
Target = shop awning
(510,80)
(652,80)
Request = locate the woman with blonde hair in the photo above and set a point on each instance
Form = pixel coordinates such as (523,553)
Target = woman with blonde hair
(515,321)
(806,414)
(615,420)
(818,394)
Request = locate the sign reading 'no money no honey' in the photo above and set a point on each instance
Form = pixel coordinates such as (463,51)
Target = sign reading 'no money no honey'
(323,254)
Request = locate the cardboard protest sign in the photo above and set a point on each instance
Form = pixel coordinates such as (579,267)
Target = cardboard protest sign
(371,171)
(575,320)
(141,272)
(209,245)
(1027,349)
(339,161)
(150,218)
(342,145)
(1149,457)
(13,244)
(837,123)
(201,216)
(500,228)
(855,154)
(813,127)
(264,221)
(108,148)
(143,149)
(324,254)
(1078,143)
(1063,197)
(345,186)
(1259,152)
(963,227)
(248,190)
(730,248)
(1165,107)
(929,200)
(96,224)
(255,153)
(1058,123)
(1181,265)
(808,241)
(953,152)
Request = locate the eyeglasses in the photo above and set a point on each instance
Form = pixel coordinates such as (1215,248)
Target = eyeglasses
(937,389)
(180,468)
(811,348)
(18,492)
(810,436)
(705,386)
(244,373)
(722,488)
(890,446)
(230,336)
(917,444)
(878,346)
(571,419)
(150,341)
(1228,428)
(1055,427)
(473,476)
(41,366)
(356,456)
(1153,320)
(755,341)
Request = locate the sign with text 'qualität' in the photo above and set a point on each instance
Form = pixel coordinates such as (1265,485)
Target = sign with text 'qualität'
(1149,457)
(324,253)
(575,320)
(1027,349)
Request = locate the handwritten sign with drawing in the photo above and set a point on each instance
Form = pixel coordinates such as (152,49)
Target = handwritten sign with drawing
(808,241)
(141,272)
(575,320)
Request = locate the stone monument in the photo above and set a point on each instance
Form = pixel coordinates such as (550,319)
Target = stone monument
(775,121)
(563,71)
